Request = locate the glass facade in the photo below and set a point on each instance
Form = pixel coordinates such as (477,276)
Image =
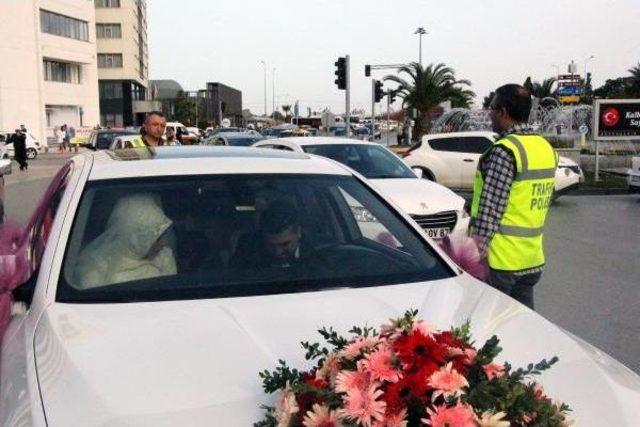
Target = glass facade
(64,26)
(110,90)
(107,3)
(64,72)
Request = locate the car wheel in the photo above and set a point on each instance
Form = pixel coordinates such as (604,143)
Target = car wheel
(31,153)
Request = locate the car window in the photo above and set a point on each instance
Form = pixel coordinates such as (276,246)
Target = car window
(234,235)
(446,144)
(242,142)
(474,144)
(372,161)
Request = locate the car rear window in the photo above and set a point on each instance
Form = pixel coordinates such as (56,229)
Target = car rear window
(236,235)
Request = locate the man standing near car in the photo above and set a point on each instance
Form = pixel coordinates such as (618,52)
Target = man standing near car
(152,130)
(512,192)
(20,149)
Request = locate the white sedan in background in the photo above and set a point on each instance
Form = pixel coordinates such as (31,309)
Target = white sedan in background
(178,339)
(436,208)
(452,159)
(33,147)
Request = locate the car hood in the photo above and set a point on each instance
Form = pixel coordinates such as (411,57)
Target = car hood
(196,363)
(419,196)
(565,161)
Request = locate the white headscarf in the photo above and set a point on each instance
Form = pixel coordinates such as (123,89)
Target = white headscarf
(120,253)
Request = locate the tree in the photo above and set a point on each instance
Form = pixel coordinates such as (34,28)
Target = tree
(540,90)
(184,108)
(287,110)
(424,89)
(634,84)
(487,100)
(614,88)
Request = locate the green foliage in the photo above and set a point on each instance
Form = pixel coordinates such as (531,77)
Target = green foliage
(333,338)
(463,333)
(426,88)
(277,379)
(184,108)
(532,369)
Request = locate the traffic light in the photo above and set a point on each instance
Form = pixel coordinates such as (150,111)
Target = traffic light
(367,70)
(341,73)
(392,96)
(378,94)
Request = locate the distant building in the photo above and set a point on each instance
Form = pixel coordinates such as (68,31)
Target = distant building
(48,71)
(166,92)
(123,62)
(223,102)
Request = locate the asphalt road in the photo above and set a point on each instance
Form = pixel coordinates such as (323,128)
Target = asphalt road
(591,286)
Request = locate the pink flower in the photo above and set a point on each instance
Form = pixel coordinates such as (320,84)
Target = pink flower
(321,416)
(470,355)
(493,370)
(455,416)
(363,406)
(426,329)
(447,382)
(355,348)
(380,364)
(329,370)
(360,379)
(286,406)
(393,420)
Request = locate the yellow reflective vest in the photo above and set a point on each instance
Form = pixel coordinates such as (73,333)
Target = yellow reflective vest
(517,245)
(138,142)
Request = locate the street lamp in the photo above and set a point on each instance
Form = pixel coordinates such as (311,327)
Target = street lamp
(420,31)
(273,91)
(264,64)
(585,67)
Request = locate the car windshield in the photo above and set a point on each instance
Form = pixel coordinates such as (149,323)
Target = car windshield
(242,142)
(236,235)
(372,161)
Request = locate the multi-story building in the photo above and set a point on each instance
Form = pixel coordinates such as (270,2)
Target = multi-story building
(48,65)
(123,62)
(223,102)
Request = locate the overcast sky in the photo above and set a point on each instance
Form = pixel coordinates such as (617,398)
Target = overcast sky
(490,42)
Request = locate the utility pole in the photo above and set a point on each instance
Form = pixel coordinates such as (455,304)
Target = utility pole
(273,92)
(420,31)
(264,64)
(347,115)
(388,114)
(373,109)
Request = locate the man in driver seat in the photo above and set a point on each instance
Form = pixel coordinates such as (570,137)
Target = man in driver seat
(280,241)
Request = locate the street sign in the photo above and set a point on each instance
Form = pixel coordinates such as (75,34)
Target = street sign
(568,77)
(616,119)
(569,99)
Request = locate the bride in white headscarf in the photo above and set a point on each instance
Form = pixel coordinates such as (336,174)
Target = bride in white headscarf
(132,247)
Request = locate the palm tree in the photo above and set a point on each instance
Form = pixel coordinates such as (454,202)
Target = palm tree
(540,90)
(425,89)
(634,90)
(286,109)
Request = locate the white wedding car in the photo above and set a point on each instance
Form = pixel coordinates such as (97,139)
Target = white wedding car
(180,342)
(436,208)
(451,159)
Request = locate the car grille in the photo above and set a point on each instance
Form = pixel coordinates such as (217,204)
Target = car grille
(440,220)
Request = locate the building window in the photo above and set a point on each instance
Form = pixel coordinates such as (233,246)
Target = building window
(107,3)
(108,31)
(65,26)
(110,90)
(109,60)
(64,72)
(112,120)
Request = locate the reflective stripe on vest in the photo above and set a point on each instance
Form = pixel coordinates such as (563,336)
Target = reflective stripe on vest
(138,142)
(517,245)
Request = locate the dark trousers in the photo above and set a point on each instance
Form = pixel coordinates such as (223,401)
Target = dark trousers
(517,286)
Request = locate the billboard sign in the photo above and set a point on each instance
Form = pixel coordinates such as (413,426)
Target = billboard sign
(616,119)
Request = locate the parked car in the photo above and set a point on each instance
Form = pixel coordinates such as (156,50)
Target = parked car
(187,138)
(436,208)
(122,141)
(89,346)
(633,177)
(5,169)
(102,139)
(452,159)
(34,147)
(234,139)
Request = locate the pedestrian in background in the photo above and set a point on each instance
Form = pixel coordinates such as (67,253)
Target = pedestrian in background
(19,140)
(65,138)
(512,192)
(59,136)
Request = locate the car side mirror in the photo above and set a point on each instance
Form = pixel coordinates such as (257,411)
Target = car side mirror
(418,171)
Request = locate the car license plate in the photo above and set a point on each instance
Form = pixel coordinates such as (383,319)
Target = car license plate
(437,233)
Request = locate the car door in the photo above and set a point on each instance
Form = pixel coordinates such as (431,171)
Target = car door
(471,148)
(447,150)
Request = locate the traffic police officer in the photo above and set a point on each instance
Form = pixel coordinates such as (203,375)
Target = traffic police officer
(152,130)
(512,192)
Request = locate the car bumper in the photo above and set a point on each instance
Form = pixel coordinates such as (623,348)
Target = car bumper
(567,190)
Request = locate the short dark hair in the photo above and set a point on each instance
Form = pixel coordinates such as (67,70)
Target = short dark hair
(153,113)
(516,100)
(279,216)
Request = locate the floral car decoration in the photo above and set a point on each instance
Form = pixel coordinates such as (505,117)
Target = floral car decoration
(408,374)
